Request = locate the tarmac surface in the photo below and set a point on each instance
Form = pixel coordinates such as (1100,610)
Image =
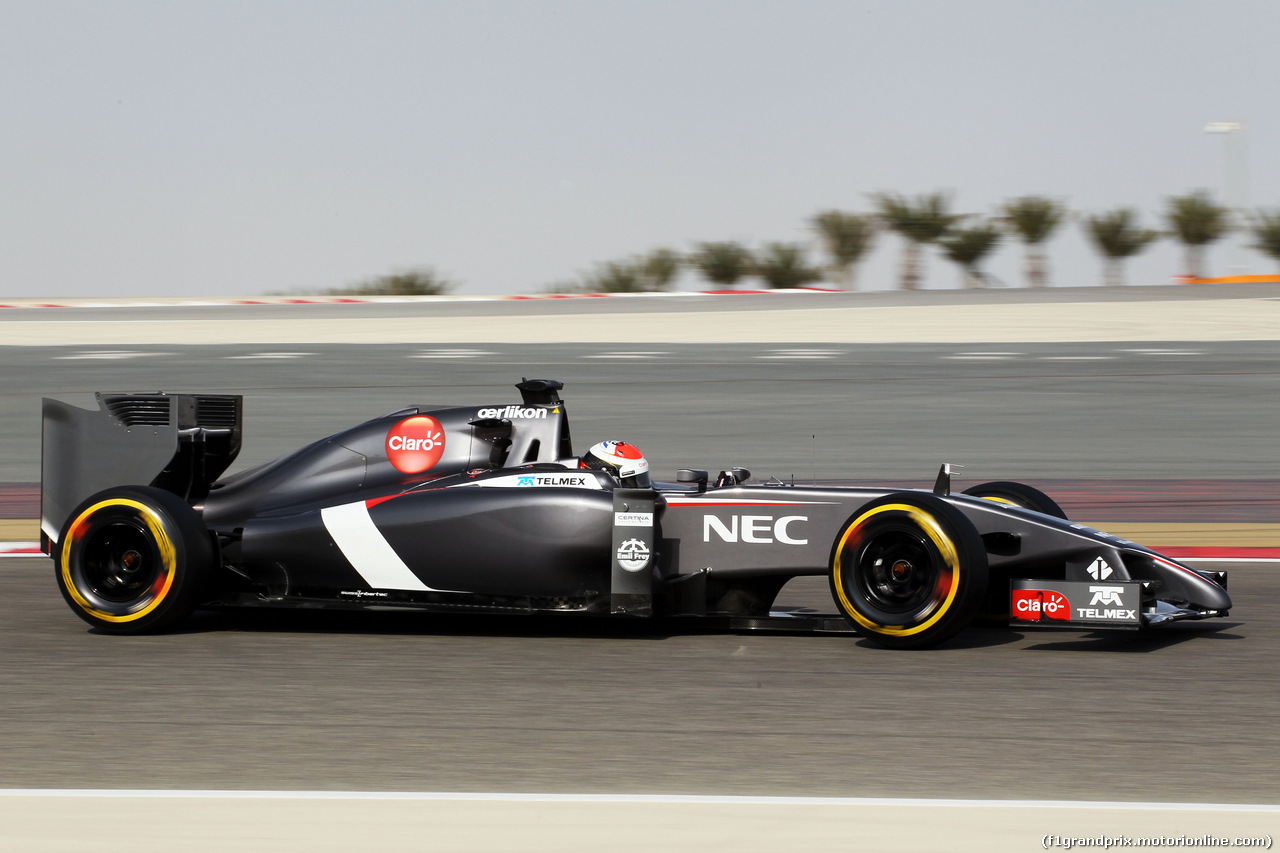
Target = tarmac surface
(1070,410)
(314,701)
(405,702)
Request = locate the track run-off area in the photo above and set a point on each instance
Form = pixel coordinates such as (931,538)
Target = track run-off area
(1149,412)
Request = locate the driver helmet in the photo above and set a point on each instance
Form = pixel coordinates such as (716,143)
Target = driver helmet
(624,461)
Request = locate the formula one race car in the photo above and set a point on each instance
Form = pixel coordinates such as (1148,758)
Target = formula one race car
(486,509)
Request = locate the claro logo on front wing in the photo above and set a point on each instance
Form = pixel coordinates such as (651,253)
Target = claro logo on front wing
(755,529)
(1040,604)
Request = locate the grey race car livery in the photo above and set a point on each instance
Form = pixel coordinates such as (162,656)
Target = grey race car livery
(486,509)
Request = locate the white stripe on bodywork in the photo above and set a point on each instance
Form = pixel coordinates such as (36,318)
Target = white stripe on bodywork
(716,500)
(365,548)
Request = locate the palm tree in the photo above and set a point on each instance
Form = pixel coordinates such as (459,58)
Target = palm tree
(846,237)
(418,281)
(968,246)
(1266,230)
(722,263)
(660,267)
(1196,221)
(1118,236)
(616,277)
(1033,218)
(920,222)
(637,274)
(784,265)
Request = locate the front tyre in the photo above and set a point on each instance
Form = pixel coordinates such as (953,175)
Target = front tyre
(133,559)
(908,570)
(1019,495)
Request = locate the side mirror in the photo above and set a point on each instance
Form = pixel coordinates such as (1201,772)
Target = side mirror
(693,475)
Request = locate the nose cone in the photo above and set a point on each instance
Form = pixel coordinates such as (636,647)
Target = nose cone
(1216,597)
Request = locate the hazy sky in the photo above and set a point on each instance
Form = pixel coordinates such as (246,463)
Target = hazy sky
(224,148)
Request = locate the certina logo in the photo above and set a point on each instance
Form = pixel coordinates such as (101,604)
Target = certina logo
(415,444)
(1099,570)
(515,413)
(1102,596)
(633,519)
(633,555)
(753,529)
(1040,604)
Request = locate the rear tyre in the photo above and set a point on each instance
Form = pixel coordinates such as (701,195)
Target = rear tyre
(908,570)
(133,559)
(1019,495)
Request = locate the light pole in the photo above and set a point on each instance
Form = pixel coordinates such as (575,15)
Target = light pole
(1235,183)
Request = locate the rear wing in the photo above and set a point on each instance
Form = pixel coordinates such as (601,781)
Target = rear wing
(178,442)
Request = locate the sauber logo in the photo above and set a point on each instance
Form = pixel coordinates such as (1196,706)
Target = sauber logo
(415,444)
(1039,604)
(754,529)
(1099,570)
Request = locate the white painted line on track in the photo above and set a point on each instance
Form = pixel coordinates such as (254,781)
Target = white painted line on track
(695,799)
(627,355)
(1077,358)
(451,353)
(1228,560)
(258,356)
(802,353)
(982,356)
(107,355)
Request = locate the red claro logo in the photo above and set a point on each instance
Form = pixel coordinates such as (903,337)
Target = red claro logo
(1040,604)
(415,444)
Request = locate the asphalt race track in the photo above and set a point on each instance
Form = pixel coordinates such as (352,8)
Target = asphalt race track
(1167,411)
(314,701)
(389,702)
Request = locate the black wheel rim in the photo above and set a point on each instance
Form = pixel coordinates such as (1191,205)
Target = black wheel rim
(117,566)
(896,572)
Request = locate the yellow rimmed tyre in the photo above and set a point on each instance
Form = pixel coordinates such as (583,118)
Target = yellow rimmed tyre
(1019,495)
(133,559)
(908,570)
